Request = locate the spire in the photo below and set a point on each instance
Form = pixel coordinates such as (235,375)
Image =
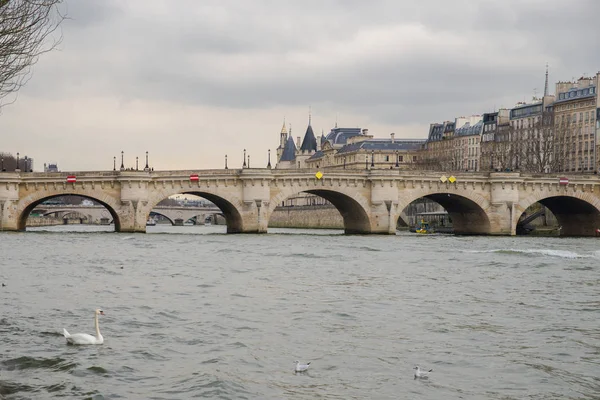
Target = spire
(309,116)
(283,130)
(546,84)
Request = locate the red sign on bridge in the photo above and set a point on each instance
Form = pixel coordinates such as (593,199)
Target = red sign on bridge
(71,179)
(563,181)
(193,177)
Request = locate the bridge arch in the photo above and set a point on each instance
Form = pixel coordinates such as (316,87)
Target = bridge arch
(27,204)
(468,210)
(162,215)
(578,213)
(353,207)
(230,207)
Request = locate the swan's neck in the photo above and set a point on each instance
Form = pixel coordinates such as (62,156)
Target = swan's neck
(98,335)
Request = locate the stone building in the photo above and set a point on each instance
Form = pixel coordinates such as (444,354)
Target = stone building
(291,155)
(576,112)
(454,146)
(439,148)
(353,148)
(494,144)
(531,137)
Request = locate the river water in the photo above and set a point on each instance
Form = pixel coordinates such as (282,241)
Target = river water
(194,313)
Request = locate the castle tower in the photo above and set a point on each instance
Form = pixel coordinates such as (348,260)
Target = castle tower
(283,137)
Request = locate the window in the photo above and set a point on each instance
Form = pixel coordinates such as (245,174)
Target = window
(414,158)
(400,158)
(387,158)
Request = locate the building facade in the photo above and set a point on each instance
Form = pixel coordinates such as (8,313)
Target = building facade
(576,126)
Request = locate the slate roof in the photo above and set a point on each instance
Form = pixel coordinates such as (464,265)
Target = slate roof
(468,129)
(383,144)
(317,155)
(289,151)
(310,142)
(340,136)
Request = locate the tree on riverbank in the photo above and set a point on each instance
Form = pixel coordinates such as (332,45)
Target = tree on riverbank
(28,29)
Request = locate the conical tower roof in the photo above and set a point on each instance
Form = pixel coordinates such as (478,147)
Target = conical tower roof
(289,151)
(283,130)
(310,142)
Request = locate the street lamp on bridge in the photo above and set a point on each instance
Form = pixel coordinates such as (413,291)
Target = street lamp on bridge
(244,165)
(269,163)
(17,168)
(122,165)
(372,158)
(114,163)
(146,168)
(226,161)
(136,163)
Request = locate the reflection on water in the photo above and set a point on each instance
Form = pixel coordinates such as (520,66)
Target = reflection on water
(193,312)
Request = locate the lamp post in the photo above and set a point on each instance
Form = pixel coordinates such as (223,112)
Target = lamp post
(136,163)
(114,163)
(147,167)
(244,165)
(122,165)
(372,158)
(344,162)
(17,169)
(366,161)
(226,161)
(269,163)
(397,159)
(248,160)
(2,161)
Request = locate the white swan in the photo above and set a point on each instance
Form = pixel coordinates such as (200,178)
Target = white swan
(84,338)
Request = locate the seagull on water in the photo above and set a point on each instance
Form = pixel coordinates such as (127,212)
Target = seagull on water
(421,373)
(301,367)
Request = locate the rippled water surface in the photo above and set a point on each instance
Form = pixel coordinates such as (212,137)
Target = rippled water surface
(194,313)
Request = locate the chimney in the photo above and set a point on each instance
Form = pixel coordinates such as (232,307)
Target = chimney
(298,143)
(365,132)
(392,135)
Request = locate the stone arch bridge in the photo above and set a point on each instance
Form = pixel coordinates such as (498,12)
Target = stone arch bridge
(370,201)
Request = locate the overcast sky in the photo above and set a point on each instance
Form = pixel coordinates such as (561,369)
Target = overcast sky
(190,81)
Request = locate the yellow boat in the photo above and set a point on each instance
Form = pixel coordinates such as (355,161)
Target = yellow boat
(424,228)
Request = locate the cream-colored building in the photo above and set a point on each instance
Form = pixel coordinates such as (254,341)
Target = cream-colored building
(349,148)
(576,126)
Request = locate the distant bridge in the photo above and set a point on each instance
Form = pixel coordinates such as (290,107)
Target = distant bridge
(370,201)
(100,214)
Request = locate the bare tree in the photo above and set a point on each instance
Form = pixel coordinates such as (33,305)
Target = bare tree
(535,145)
(27,30)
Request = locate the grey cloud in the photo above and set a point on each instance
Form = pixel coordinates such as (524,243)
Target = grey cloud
(194,53)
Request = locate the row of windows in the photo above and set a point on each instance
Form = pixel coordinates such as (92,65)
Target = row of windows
(577,93)
(525,111)
(581,104)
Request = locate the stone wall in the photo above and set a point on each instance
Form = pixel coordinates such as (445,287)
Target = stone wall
(43,221)
(315,217)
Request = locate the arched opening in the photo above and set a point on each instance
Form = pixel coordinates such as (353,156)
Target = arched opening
(191,208)
(321,209)
(68,209)
(560,216)
(446,213)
